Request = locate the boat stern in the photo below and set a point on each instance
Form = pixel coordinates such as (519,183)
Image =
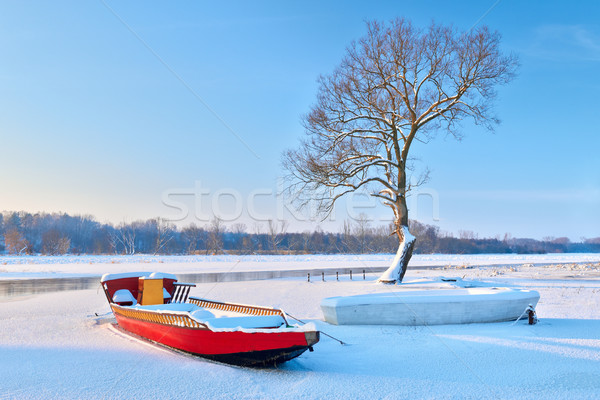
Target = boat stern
(312,338)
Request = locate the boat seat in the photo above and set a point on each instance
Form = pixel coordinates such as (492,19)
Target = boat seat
(123,297)
(181,292)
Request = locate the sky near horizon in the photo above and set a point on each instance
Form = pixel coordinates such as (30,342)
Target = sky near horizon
(132,110)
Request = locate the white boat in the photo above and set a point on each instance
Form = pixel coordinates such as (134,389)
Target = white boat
(429,307)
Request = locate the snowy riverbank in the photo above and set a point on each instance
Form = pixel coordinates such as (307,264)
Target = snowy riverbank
(55,346)
(19,267)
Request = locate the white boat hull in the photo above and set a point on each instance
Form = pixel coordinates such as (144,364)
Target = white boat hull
(429,307)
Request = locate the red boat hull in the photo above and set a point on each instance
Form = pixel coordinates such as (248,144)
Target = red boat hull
(241,348)
(172,325)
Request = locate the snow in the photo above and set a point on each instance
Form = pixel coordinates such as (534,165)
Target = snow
(53,345)
(123,296)
(432,296)
(150,275)
(123,275)
(217,320)
(171,308)
(248,322)
(28,267)
(162,275)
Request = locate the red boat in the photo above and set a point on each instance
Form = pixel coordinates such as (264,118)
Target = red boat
(157,307)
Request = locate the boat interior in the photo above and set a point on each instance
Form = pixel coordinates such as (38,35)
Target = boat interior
(161,293)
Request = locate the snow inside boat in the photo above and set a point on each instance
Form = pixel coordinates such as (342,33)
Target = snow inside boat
(157,307)
(429,307)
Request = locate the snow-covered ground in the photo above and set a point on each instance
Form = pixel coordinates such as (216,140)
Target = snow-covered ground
(55,346)
(19,267)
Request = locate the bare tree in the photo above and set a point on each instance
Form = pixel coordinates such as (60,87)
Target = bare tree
(55,243)
(239,228)
(348,240)
(396,85)
(124,235)
(128,235)
(164,234)
(239,231)
(466,235)
(215,236)
(113,239)
(277,230)
(195,238)
(361,232)
(15,242)
(256,238)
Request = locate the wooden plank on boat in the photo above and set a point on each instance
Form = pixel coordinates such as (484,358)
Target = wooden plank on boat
(150,291)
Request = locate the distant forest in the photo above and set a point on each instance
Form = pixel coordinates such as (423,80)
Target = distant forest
(58,234)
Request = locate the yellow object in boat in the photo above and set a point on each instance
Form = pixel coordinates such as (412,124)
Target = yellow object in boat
(151,291)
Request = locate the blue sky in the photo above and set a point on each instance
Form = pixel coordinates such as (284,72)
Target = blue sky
(111,112)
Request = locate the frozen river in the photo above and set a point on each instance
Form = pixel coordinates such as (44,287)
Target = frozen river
(62,344)
(27,275)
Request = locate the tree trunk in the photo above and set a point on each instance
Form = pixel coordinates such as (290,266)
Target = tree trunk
(395,273)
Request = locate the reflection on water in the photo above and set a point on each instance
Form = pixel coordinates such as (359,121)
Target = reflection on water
(263,275)
(24,287)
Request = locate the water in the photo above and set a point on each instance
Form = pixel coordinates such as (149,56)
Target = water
(27,287)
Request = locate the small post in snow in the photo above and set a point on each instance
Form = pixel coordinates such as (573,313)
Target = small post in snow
(323,276)
(532,317)
(350,274)
(308,280)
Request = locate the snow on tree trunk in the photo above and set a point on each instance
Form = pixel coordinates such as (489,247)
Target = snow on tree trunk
(395,273)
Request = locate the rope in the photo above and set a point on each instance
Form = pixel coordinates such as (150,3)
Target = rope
(528,308)
(329,336)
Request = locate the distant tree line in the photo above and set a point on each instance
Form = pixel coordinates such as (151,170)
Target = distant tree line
(58,234)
